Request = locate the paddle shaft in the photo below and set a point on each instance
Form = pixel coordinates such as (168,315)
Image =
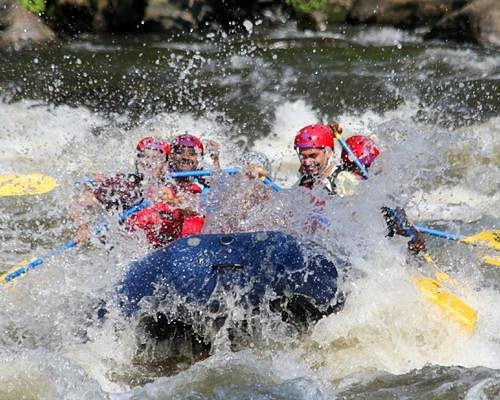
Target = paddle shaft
(38,261)
(71,243)
(436,233)
(201,172)
(346,147)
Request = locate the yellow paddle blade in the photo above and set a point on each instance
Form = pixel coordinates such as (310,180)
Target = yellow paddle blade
(492,261)
(23,185)
(449,303)
(489,238)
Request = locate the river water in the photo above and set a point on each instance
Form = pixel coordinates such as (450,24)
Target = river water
(79,107)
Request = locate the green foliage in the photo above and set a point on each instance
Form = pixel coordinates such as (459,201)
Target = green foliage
(34,6)
(309,6)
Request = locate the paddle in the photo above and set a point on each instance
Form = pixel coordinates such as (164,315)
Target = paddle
(201,172)
(231,171)
(450,303)
(491,261)
(25,185)
(25,266)
(447,301)
(490,239)
(33,184)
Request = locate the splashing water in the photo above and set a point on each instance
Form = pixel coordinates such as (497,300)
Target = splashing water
(256,95)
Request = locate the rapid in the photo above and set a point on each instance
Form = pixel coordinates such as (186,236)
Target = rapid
(78,107)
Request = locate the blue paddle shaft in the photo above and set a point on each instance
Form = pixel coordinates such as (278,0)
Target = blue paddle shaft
(267,181)
(360,166)
(38,261)
(208,172)
(436,233)
(135,209)
(72,243)
(201,172)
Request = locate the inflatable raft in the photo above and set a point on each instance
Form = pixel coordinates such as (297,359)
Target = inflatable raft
(202,277)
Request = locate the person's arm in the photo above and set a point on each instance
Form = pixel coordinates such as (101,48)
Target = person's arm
(186,203)
(77,209)
(213,150)
(398,223)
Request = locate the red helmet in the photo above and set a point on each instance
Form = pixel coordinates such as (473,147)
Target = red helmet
(314,137)
(151,142)
(363,148)
(189,141)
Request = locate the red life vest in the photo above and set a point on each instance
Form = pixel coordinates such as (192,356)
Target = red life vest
(160,223)
(193,225)
(163,224)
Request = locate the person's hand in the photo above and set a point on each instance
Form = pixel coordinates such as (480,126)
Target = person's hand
(335,127)
(213,149)
(398,226)
(85,198)
(417,243)
(82,234)
(402,226)
(99,176)
(168,196)
(253,171)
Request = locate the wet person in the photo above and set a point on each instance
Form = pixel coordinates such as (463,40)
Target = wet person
(187,152)
(347,176)
(314,145)
(161,221)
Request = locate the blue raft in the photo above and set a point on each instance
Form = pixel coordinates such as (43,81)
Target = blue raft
(201,270)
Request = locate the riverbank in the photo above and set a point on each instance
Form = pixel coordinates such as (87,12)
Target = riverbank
(464,21)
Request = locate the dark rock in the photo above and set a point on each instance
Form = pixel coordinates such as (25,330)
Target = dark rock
(72,16)
(21,28)
(478,22)
(402,13)
(121,15)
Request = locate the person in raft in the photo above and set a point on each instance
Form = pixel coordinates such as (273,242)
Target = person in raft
(162,221)
(187,154)
(314,145)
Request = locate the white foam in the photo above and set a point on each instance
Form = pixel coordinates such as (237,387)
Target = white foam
(385,36)
(466,62)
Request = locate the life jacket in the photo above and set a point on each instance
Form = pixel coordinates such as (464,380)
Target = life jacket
(160,223)
(193,225)
(118,192)
(328,182)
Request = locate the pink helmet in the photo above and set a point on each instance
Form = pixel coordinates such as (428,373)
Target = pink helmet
(189,141)
(314,137)
(150,142)
(363,148)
